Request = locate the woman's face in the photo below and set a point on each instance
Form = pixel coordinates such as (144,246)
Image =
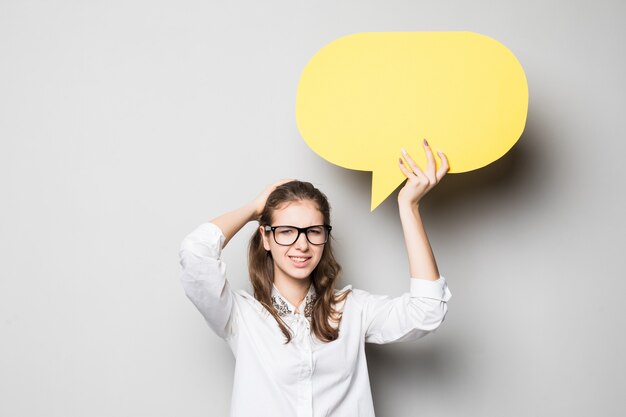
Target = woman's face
(298,260)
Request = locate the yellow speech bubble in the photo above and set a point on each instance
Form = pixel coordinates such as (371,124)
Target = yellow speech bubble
(364,96)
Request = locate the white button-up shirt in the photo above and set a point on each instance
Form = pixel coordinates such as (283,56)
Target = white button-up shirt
(306,377)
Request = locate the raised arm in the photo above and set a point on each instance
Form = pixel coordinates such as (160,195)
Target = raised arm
(424,307)
(421,259)
(204,273)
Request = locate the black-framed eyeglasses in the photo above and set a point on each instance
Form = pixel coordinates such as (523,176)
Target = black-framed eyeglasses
(288,235)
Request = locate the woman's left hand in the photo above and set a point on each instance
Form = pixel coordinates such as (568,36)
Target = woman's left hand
(420,182)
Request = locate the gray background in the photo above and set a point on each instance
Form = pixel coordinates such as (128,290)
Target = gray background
(125,124)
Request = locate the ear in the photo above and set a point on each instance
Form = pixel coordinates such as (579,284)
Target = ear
(265,237)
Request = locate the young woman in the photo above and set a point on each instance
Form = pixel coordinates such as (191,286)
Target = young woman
(298,341)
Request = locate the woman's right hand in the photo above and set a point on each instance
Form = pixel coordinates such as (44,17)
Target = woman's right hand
(230,223)
(258,204)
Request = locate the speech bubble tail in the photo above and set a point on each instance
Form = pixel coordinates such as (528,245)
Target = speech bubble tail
(383,184)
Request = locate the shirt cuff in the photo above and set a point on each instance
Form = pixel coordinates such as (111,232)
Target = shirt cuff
(206,240)
(437,290)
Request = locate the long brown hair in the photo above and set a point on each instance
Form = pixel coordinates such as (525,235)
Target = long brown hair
(323,277)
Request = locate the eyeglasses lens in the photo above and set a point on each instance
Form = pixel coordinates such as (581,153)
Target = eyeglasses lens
(286,235)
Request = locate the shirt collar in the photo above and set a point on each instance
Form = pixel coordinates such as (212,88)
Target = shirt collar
(284,307)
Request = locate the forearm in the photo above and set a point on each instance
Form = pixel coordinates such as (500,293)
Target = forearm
(230,223)
(421,259)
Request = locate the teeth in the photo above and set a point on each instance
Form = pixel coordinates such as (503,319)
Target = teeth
(298,259)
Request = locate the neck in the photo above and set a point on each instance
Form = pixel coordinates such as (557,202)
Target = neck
(294,290)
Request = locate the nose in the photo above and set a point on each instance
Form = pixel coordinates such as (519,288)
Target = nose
(302,243)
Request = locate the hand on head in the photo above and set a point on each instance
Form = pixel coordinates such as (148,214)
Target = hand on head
(259,202)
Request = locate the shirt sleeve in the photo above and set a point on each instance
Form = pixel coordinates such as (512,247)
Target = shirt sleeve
(204,278)
(407,317)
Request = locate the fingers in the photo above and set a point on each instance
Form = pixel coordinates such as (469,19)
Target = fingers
(407,173)
(444,167)
(273,186)
(430,175)
(416,169)
(430,167)
(259,202)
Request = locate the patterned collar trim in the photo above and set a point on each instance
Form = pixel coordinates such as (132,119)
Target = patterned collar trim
(285,308)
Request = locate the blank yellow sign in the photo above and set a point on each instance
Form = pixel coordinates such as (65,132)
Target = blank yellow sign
(363,97)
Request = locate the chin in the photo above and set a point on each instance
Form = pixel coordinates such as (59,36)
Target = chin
(301,274)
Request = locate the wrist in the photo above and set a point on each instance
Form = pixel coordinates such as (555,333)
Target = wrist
(405,205)
(252,213)
(409,212)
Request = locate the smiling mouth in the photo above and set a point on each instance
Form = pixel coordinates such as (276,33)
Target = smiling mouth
(299,259)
